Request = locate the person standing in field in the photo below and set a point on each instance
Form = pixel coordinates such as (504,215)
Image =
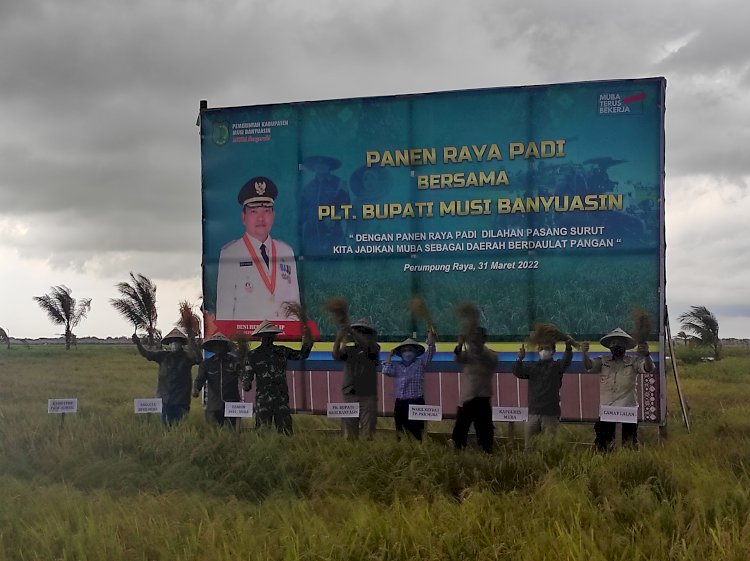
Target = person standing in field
(267,364)
(175,379)
(545,379)
(479,364)
(618,383)
(220,374)
(360,384)
(409,381)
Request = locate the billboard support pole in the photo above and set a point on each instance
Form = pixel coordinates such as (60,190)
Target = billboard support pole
(673,361)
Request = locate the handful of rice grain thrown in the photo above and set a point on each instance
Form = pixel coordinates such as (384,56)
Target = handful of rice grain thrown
(549,334)
(418,307)
(641,325)
(339,309)
(469,315)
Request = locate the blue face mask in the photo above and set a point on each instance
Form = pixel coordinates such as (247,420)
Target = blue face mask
(408,356)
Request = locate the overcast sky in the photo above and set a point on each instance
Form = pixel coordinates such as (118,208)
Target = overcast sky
(99,152)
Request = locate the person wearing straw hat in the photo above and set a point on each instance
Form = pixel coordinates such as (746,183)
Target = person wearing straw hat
(360,384)
(267,365)
(257,273)
(175,379)
(545,379)
(220,375)
(408,374)
(618,383)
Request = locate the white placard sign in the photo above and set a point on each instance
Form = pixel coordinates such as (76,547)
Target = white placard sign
(238,409)
(616,414)
(510,414)
(62,405)
(425,413)
(147,405)
(343,410)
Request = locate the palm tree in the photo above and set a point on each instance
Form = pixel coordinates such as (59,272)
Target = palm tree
(138,304)
(703,328)
(64,310)
(4,337)
(684,336)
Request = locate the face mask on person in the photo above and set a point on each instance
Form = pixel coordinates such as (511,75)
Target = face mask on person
(408,356)
(545,354)
(175,346)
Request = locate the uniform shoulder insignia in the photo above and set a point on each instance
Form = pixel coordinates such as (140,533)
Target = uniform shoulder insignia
(230,244)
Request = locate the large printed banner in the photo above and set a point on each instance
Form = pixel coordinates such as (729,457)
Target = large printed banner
(540,203)
(537,203)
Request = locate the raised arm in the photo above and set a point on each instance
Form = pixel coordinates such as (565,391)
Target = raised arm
(145,353)
(194,351)
(646,363)
(588,364)
(567,358)
(519,370)
(389,367)
(339,344)
(431,347)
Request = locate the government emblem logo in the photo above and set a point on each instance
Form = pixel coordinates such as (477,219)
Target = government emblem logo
(221,133)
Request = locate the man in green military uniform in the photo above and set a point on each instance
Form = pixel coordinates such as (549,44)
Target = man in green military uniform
(267,364)
(220,373)
(175,379)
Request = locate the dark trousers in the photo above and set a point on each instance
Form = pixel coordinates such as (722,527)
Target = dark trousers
(479,412)
(401,417)
(267,415)
(218,418)
(172,414)
(604,431)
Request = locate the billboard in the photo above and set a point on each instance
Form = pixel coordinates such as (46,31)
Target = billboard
(537,203)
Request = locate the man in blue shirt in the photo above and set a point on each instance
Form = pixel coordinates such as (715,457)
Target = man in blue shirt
(409,381)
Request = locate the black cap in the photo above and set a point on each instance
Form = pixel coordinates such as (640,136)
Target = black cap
(259,191)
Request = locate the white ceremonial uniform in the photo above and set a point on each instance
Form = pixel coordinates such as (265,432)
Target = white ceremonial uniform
(246,288)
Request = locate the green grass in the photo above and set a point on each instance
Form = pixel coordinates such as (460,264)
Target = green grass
(110,485)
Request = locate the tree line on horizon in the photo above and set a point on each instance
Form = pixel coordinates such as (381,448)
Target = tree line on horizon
(137,304)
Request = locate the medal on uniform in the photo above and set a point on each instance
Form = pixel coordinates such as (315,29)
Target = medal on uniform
(261,266)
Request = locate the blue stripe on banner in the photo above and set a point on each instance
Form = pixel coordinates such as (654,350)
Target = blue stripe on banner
(507,360)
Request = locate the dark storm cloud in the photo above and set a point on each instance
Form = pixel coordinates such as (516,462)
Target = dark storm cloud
(720,44)
(100,154)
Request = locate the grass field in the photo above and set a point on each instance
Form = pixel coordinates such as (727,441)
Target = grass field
(110,486)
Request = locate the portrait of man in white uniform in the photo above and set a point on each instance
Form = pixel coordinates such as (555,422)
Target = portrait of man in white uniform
(257,273)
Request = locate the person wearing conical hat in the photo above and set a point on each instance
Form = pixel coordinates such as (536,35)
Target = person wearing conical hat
(175,379)
(360,383)
(619,375)
(267,365)
(220,375)
(257,273)
(408,374)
